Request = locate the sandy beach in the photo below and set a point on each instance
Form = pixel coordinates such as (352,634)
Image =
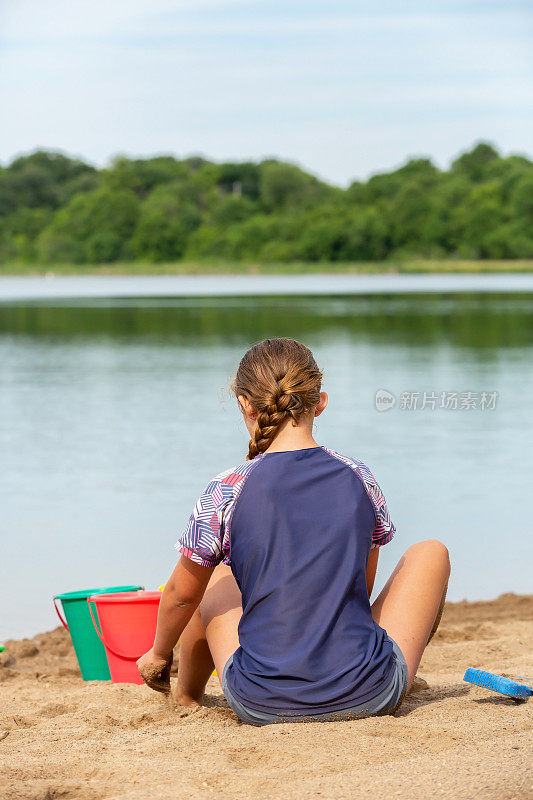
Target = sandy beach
(63,739)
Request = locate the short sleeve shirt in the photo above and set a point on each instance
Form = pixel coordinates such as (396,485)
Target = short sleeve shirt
(297,527)
(206,539)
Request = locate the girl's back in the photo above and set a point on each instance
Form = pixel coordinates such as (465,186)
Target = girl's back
(297,528)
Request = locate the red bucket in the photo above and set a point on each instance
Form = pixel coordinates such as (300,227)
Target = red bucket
(127,629)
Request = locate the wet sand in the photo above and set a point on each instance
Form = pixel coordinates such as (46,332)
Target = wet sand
(63,739)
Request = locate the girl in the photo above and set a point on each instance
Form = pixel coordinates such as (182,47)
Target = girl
(277,566)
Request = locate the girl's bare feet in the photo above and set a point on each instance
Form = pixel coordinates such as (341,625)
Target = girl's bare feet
(183,699)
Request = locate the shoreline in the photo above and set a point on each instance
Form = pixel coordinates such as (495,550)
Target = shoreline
(392,267)
(61,737)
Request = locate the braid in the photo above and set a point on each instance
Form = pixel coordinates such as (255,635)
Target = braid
(281,380)
(268,423)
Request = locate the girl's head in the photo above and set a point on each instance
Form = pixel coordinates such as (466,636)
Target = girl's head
(277,381)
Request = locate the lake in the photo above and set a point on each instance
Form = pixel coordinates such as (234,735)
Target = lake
(115,413)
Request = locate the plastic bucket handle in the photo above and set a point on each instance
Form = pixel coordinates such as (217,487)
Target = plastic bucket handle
(63,622)
(100,636)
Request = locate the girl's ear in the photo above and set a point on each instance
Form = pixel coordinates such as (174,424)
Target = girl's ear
(322,403)
(246,407)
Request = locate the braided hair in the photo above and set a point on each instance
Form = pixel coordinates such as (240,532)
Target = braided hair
(280,379)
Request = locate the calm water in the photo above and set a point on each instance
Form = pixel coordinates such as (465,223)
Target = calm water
(114,415)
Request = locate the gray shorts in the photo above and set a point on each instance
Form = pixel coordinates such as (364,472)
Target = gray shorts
(386,702)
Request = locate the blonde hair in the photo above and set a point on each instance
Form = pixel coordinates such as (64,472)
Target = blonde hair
(281,380)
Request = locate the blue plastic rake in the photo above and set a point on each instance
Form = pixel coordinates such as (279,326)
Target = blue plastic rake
(519,692)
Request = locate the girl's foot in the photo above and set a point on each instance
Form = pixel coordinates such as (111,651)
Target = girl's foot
(183,699)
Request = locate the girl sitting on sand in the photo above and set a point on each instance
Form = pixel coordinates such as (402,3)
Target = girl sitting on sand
(277,566)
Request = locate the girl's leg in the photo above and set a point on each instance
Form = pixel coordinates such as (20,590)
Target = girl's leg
(410,605)
(195,663)
(439,614)
(220,611)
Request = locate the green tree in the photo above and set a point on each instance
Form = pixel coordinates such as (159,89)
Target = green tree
(164,226)
(228,209)
(19,232)
(42,180)
(240,180)
(521,201)
(475,163)
(480,215)
(57,208)
(94,227)
(143,174)
(284,185)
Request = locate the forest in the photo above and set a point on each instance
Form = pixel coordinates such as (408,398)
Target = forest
(55,209)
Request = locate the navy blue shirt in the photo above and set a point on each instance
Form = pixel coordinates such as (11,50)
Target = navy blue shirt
(296,528)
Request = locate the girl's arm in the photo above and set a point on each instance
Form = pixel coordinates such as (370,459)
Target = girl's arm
(371,568)
(181,597)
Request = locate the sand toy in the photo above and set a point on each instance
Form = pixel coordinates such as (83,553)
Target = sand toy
(510,686)
(89,650)
(127,623)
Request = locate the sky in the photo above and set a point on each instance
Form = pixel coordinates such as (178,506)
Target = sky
(344,88)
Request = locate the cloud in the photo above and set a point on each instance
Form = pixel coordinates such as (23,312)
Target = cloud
(344,90)
(27,19)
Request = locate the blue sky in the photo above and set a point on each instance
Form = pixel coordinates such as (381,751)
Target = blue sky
(344,88)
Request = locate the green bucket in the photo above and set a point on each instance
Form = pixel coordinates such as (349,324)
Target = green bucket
(89,649)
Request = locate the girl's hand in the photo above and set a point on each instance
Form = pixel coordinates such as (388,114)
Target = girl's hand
(155,671)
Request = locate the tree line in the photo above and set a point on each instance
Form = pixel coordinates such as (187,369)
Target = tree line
(57,209)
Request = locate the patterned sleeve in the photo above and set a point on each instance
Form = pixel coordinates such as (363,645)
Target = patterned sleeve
(206,539)
(202,540)
(384,530)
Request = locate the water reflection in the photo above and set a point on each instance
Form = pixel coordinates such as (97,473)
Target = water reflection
(481,322)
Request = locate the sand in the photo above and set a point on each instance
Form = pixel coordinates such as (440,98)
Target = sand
(61,738)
